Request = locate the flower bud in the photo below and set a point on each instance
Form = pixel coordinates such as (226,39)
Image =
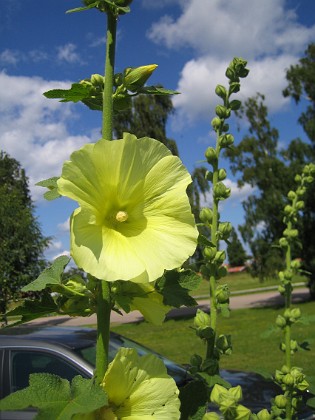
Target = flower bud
(220,257)
(221,91)
(296,313)
(291,233)
(206,215)
(216,123)
(210,252)
(226,140)
(97,80)
(222,174)
(280,321)
(283,242)
(291,195)
(202,319)
(300,205)
(222,293)
(221,192)
(136,77)
(288,379)
(224,230)
(295,264)
(222,111)
(211,155)
(280,401)
(263,415)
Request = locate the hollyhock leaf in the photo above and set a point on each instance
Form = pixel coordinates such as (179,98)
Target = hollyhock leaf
(134,219)
(131,296)
(51,184)
(140,388)
(176,285)
(29,310)
(55,398)
(50,276)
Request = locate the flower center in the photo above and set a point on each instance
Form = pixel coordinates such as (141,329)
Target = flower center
(121,216)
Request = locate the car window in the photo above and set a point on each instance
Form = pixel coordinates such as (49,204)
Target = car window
(23,363)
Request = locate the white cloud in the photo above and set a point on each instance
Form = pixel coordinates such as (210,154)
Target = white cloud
(33,129)
(68,53)
(65,226)
(268,35)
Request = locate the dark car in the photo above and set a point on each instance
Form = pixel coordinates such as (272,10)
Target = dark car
(68,352)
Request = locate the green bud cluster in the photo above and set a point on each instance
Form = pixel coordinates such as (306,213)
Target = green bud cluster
(289,317)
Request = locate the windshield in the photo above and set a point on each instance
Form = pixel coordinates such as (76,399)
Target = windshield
(116,342)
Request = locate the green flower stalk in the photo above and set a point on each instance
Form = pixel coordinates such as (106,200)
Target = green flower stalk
(132,223)
(214,257)
(290,381)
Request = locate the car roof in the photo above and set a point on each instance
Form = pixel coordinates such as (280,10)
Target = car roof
(68,337)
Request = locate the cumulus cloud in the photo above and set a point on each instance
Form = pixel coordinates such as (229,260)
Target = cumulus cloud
(34,130)
(268,35)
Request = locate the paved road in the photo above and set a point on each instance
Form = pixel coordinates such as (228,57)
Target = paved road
(270,298)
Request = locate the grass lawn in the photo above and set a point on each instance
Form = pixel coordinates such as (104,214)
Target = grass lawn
(242,281)
(252,351)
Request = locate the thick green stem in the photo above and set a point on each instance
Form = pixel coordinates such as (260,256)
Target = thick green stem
(103,293)
(107,122)
(103,323)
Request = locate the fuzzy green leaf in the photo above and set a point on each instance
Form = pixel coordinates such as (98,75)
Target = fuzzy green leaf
(176,285)
(31,309)
(55,398)
(76,93)
(194,399)
(51,184)
(50,276)
(156,90)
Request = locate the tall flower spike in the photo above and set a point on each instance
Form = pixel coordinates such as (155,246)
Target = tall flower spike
(134,219)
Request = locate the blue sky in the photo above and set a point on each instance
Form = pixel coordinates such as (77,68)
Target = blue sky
(192,41)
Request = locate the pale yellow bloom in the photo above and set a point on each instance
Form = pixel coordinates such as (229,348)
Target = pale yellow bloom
(134,220)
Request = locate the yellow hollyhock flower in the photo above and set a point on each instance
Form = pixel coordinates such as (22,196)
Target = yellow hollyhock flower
(139,388)
(134,219)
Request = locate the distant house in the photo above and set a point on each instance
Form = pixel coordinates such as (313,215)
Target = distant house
(238,269)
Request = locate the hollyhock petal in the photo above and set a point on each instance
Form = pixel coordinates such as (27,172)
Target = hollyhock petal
(134,219)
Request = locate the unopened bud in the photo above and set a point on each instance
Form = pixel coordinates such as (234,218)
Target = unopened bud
(221,91)
(136,77)
(206,215)
(280,401)
(211,155)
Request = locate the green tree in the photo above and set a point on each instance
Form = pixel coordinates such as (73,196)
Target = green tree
(258,161)
(21,241)
(235,250)
(301,86)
